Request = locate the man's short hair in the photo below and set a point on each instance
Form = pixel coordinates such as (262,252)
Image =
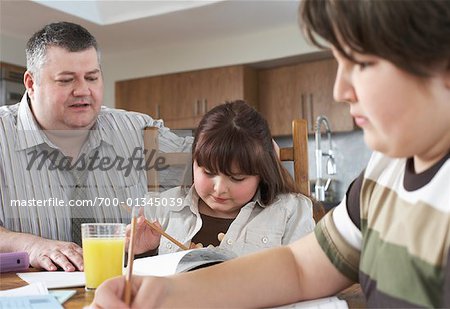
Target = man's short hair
(70,36)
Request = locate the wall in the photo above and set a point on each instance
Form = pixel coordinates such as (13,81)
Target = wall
(12,50)
(351,154)
(277,43)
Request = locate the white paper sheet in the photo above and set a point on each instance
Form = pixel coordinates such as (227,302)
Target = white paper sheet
(321,303)
(159,265)
(55,279)
(171,263)
(37,288)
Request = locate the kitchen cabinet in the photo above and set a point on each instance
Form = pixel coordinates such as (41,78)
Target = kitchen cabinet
(11,83)
(140,95)
(303,90)
(181,99)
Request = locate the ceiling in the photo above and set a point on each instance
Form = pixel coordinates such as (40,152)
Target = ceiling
(133,25)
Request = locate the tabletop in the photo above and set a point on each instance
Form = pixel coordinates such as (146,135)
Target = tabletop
(352,295)
(79,300)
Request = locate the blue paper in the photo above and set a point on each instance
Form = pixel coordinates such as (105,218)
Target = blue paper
(30,302)
(62,295)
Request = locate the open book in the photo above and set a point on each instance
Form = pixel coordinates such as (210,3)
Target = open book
(171,263)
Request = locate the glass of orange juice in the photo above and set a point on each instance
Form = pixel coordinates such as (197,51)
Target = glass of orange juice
(103,251)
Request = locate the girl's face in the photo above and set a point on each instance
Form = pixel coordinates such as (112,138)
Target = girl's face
(402,115)
(224,195)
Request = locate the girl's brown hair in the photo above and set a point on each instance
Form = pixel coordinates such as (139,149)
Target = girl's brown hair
(412,34)
(235,133)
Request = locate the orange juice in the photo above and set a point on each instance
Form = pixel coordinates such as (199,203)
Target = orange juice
(103,259)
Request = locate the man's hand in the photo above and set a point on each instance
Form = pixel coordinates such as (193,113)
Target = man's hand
(48,254)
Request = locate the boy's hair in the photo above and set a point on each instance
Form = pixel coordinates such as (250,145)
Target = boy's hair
(235,133)
(413,35)
(70,36)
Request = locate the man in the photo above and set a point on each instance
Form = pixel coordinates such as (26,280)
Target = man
(65,159)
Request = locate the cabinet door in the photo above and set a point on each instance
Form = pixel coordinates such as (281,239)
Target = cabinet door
(179,98)
(317,86)
(303,90)
(197,92)
(280,100)
(220,85)
(140,95)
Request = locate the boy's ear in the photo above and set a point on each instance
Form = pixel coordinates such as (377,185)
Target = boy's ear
(447,76)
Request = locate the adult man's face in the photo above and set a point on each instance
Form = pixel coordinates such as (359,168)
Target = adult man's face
(69,92)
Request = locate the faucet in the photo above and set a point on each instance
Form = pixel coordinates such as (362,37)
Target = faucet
(321,186)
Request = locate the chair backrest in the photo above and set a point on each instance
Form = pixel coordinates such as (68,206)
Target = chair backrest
(174,159)
(298,154)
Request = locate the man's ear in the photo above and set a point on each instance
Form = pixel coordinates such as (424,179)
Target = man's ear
(29,82)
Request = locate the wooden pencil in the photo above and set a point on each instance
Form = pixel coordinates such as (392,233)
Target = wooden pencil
(161,232)
(127,292)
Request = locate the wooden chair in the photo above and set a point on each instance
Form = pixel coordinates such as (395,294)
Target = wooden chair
(298,154)
(151,145)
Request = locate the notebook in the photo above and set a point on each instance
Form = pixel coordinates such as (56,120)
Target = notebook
(182,261)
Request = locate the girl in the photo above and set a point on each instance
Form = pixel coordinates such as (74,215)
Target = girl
(242,198)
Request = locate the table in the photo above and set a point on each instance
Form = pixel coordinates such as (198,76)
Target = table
(79,300)
(352,295)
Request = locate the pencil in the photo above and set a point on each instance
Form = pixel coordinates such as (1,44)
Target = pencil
(161,232)
(127,293)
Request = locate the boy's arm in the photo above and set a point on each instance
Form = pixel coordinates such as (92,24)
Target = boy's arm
(273,277)
(278,276)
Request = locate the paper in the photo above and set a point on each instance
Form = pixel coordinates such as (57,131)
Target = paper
(30,302)
(55,279)
(321,303)
(159,265)
(62,295)
(37,288)
(34,295)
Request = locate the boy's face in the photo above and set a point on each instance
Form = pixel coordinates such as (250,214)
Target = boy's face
(224,195)
(402,115)
(69,92)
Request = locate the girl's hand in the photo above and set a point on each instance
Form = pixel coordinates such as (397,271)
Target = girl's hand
(146,238)
(193,245)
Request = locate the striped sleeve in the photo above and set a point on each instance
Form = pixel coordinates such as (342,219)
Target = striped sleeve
(339,234)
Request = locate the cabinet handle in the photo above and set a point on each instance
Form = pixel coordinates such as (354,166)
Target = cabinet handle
(311,112)
(196,108)
(302,102)
(205,106)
